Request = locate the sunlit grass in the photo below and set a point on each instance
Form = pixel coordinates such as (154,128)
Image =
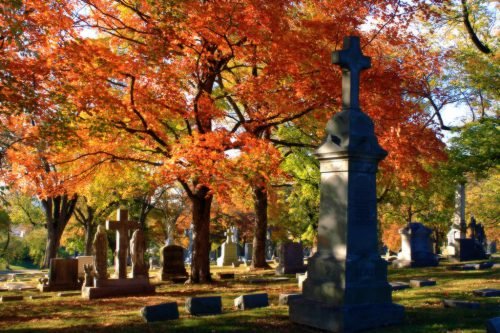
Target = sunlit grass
(424,312)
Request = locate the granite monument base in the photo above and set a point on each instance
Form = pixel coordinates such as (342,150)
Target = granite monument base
(349,318)
(118,288)
(466,249)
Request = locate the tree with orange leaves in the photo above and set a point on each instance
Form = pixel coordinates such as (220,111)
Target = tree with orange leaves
(176,86)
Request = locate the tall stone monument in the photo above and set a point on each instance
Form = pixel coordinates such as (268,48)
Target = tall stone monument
(229,251)
(461,248)
(346,287)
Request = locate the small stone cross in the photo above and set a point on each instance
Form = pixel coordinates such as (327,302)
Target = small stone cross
(229,235)
(122,227)
(352,62)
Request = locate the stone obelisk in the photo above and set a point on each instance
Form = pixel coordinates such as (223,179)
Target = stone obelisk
(346,289)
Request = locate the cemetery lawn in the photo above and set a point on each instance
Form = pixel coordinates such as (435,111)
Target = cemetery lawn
(424,311)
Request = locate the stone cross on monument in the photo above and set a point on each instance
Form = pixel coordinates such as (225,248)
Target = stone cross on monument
(122,226)
(229,235)
(346,289)
(352,62)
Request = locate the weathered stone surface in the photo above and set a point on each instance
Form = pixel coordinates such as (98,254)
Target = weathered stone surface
(399,285)
(291,259)
(100,246)
(122,226)
(172,261)
(453,303)
(487,292)
(350,318)
(416,247)
(493,325)
(63,275)
(251,301)
(84,260)
(229,251)
(417,283)
(118,288)
(284,299)
(202,306)
(160,312)
(11,298)
(346,287)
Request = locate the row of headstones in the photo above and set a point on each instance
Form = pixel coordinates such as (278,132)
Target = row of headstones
(202,306)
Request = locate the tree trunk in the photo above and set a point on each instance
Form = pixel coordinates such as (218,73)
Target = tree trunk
(89,237)
(200,261)
(53,241)
(259,238)
(58,211)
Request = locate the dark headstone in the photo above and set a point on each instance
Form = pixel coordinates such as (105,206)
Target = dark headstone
(172,261)
(225,276)
(160,312)
(487,292)
(467,249)
(246,302)
(291,259)
(63,275)
(493,325)
(285,299)
(202,306)
(453,303)
(33,297)
(11,298)
(417,283)
(416,247)
(267,280)
(399,285)
(248,251)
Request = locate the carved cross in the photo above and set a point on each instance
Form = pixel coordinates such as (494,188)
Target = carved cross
(229,235)
(352,62)
(122,227)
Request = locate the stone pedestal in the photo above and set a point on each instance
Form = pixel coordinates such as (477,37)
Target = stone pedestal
(416,247)
(291,259)
(229,255)
(118,288)
(346,288)
(172,261)
(63,275)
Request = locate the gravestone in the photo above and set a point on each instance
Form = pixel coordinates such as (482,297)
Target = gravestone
(461,248)
(251,301)
(491,248)
(63,275)
(346,287)
(229,252)
(203,306)
(454,303)
(103,287)
(291,259)
(248,251)
(493,325)
(488,292)
(418,283)
(82,261)
(284,299)
(416,247)
(397,285)
(269,245)
(172,263)
(160,312)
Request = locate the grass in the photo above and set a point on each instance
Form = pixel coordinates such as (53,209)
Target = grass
(424,312)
